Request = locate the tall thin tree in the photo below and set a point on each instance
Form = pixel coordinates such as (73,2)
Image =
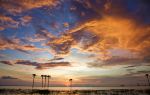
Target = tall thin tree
(45,80)
(147,76)
(48,80)
(33,76)
(42,79)
(70,81)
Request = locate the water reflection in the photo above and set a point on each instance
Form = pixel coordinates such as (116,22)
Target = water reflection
(74,92)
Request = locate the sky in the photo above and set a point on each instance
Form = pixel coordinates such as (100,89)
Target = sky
(94,42)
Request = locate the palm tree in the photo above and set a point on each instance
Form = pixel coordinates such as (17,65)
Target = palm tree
(147,76)
(70,80)
(33,75)
(45,80)
(48,80)
(42,79)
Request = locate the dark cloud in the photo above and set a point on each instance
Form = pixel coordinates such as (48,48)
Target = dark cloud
(26,62)
(36,64)
(131,66)
(6,62)
(52,64)
(138,73)
(135,9)
(12,81)
(56,58)
(144,72)
(8,77)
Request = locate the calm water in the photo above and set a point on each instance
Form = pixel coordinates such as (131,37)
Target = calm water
(23,90)
(76,88)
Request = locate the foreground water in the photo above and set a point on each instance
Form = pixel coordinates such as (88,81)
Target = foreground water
(76,88)
(22,90)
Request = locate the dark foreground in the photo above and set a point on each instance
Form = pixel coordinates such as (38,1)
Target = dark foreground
(74,92)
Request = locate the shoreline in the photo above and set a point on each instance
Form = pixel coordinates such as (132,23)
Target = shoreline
(7,91)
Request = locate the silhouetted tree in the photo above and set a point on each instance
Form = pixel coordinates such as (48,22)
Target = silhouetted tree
(70,81)
(33,75)
(45,80)
(147,76)
(48,80)
(42,79)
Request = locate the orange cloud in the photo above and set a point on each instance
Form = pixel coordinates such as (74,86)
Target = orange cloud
(115,32)
(61,45)
(19,6)
(101,35)
(25,20)
(7,22)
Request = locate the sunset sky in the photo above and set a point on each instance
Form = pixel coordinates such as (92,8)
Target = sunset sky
(94,42)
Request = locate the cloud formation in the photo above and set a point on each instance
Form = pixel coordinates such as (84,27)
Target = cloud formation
(18,6)
(37,65)
(9,22)
(8,77)
(16,44)
(100,36)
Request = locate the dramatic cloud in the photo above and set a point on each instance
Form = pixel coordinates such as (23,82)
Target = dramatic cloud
(100,36)
(36,64)
(18,6)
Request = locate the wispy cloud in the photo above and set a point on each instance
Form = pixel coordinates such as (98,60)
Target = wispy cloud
(112,80)
(9,22)
(8,77)
(37,65)
(16,44)
(18,6)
